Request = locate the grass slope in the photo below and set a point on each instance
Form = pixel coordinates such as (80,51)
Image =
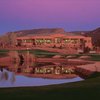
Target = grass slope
(84,90)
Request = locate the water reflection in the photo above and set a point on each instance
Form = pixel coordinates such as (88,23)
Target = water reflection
(36,74)
(13,80)
(4,76)
(43,69)
(24,70)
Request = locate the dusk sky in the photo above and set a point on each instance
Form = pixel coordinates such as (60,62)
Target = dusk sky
(72,15)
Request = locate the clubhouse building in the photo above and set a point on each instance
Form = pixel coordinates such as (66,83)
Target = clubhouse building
(56,40)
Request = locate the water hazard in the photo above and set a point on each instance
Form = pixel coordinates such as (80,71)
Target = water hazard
(27,71)
(9,79)
(36,74)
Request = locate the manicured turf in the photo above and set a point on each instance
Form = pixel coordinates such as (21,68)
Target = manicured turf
(3,53)
(95,57)
(41,53)
(84,90)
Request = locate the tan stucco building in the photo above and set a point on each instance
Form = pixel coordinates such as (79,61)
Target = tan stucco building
(57,40)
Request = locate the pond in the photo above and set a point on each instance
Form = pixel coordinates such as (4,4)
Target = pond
(36,74)
(9,79)
(27,70)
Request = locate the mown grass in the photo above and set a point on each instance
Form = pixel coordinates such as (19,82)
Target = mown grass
(3,53)
(84,90)
(48,54)
(40,53)
(94,57)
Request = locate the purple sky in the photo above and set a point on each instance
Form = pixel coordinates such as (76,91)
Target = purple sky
(71,15)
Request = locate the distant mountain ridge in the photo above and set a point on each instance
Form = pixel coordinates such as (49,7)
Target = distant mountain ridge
(38,31)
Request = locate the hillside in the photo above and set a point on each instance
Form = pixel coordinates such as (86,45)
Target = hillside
(95,34)
(38,31)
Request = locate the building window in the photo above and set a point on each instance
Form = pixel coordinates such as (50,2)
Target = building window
(40,40)
(74,41)
(48,41)
(58,40)
(66,40)
(27,40)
